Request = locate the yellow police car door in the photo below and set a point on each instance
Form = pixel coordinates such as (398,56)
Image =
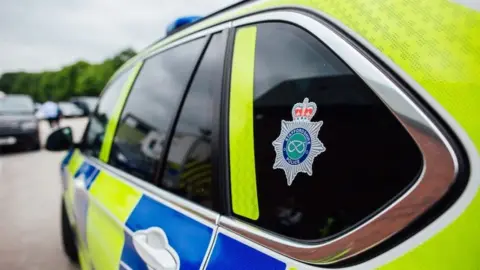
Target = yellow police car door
(330,161)
(80,170)
(143,212)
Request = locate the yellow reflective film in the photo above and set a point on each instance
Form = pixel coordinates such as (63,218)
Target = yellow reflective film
(112,123)
(112,202)
(243,184)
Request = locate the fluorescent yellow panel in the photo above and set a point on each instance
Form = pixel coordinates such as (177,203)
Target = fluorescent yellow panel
(105,235)
(242,157)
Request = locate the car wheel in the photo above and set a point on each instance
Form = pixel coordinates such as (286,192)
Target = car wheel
(68,237)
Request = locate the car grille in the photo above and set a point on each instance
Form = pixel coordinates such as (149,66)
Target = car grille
(8,127)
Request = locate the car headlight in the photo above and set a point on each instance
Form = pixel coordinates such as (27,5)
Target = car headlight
(28,125)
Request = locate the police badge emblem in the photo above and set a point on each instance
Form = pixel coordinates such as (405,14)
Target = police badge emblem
(297,145)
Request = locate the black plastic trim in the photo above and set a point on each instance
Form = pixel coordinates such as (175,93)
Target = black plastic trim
(218,157)
(227,71)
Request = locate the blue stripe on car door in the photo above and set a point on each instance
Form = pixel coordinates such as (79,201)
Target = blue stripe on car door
(231,254)
(188,237)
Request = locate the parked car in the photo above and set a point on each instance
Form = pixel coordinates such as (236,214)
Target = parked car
(286,135)
(86,103)
(70,110)
(18,125)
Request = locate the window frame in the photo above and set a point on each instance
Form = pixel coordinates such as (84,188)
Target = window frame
(393,94)
(112,80)
(159,165)
(178,203)
(216,159)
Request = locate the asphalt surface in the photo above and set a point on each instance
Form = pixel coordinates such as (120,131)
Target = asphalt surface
(30,234)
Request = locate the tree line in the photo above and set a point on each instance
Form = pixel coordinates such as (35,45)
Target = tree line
(79,79)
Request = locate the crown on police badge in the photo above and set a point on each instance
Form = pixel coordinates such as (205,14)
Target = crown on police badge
(304,111)
(297,145)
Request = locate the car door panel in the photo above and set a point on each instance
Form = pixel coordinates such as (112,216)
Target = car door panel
(70,165)
(76,200)
(82,180)
(112,203)
(189,237)
(116,209)
(119,212)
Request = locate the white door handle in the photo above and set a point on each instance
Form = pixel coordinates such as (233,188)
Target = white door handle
(79,182)
(152,246)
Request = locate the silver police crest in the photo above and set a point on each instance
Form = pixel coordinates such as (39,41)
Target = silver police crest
(298,144)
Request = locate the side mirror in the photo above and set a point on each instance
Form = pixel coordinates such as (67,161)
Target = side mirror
(61,139)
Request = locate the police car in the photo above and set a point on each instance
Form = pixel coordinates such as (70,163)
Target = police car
(286,135)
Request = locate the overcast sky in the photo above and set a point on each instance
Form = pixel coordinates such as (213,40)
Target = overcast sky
(37,35)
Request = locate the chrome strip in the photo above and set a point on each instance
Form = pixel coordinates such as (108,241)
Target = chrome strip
(440,162)
(206,258)
(190,209)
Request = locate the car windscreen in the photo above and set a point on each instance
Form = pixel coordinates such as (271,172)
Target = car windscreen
(16,105)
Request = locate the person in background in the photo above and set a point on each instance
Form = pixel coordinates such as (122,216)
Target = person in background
(52,113)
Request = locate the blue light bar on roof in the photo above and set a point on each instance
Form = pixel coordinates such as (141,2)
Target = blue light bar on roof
(181,22)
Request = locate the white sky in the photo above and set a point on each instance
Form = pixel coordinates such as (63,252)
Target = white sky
(38,35)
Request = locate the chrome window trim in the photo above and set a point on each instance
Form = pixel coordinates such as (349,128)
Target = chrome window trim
(184,206)
(429,139)
(208,254)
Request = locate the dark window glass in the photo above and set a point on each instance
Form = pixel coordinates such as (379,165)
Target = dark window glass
(93,137)
(369,159)
(150,108)
(189,164)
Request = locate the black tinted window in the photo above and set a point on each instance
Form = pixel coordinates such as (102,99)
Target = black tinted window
(361,158)
(188,170)
(94,134)
(150,108)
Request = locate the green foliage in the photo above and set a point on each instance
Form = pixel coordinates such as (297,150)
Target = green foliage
(79,79)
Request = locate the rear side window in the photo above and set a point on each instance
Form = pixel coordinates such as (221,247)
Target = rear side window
(189,169)
(94,134)
(327,152)
(150,109)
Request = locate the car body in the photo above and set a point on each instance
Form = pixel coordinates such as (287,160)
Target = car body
(18,125)
(86,103)
(70,110)
(286,135)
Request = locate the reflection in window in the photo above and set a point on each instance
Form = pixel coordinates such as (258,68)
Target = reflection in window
(95,131)
(151,107)
(370,157)
(189,162)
